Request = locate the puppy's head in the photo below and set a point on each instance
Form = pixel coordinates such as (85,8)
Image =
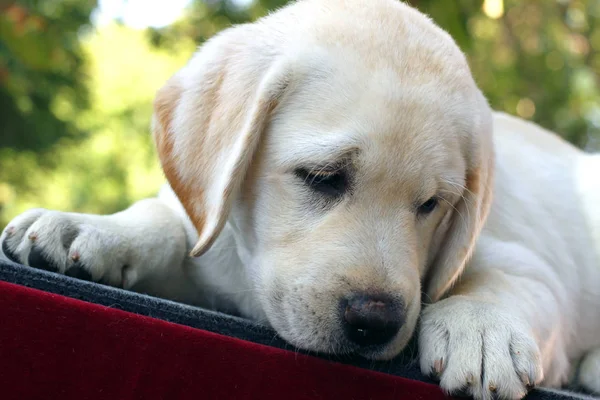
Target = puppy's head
(349,148)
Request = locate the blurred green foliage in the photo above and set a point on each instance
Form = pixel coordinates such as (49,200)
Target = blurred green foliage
(40,58)
(75,99)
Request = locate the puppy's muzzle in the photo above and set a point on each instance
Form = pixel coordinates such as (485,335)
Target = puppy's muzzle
(371,320)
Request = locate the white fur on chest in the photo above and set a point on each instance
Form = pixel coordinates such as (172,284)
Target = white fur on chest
(219,276)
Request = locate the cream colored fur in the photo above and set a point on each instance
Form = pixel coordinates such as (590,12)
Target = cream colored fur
(377,85)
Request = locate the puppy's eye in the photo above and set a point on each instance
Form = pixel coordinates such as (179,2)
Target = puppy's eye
(330,183)
(428,206)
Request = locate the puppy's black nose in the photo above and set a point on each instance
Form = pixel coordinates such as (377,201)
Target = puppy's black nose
(372,320)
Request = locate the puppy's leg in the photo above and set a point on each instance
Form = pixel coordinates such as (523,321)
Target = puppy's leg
(589,372)
(142,245)
(502,329)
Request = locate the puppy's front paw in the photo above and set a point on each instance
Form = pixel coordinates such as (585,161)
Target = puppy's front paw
(478,349)
(79,245)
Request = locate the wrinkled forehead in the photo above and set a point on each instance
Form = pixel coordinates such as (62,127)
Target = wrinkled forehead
(339,104)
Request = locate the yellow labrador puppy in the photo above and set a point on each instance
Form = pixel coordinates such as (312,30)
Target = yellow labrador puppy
(330,163)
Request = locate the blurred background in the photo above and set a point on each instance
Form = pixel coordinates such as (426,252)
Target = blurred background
(77,79)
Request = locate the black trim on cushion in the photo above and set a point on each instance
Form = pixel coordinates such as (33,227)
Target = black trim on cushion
(404,365)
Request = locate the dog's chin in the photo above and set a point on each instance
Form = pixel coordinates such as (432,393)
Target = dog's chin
(330,339)
(340,347)
(387,352)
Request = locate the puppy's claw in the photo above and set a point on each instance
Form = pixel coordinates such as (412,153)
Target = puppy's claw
(438,366)
(75,256)
(525,380)
(470,380)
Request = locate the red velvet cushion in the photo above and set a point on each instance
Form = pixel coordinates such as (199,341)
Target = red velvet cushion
(55,347)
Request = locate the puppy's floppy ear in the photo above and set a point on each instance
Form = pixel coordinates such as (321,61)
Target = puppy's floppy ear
(471,211)
(208,120)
